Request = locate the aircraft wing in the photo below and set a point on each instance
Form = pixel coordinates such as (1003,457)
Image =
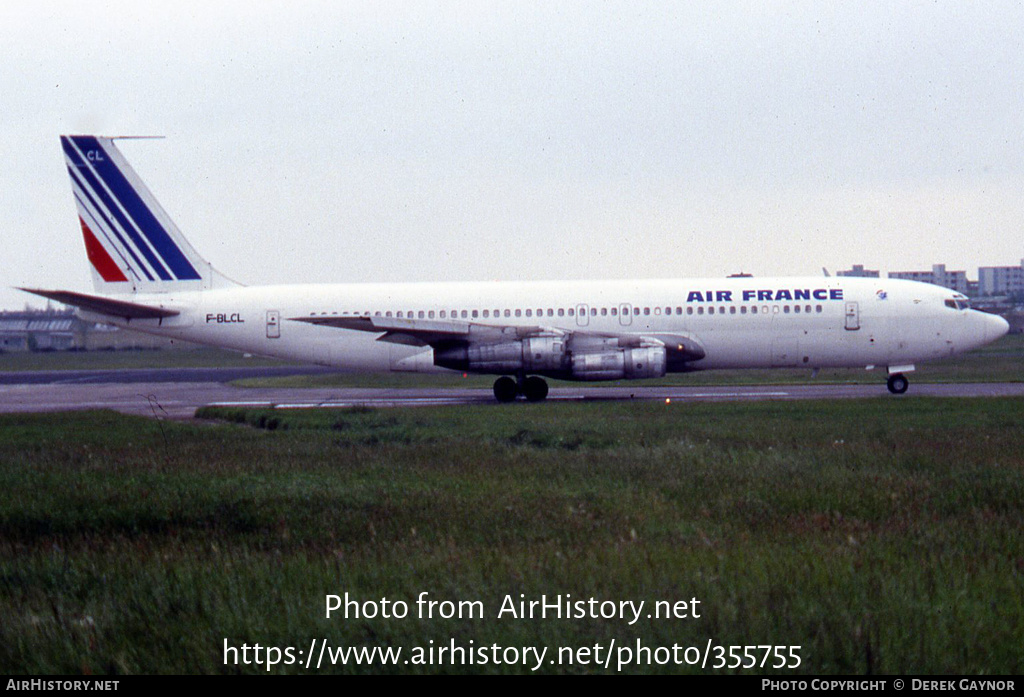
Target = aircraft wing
(679,347)
(424,332)
(104,305)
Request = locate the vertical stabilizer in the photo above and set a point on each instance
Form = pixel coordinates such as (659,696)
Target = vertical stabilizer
(131,242)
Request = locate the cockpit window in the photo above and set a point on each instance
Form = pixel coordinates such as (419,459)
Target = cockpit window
(958,303)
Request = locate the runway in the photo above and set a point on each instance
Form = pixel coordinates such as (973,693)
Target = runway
(168,398)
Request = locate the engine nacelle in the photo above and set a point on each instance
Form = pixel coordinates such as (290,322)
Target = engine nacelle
(632,363)
(544,354)
(537,354)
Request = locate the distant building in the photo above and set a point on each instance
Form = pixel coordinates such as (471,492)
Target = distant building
(954,280)
(1001,280)
(62,330)
(858,271)
(33,330)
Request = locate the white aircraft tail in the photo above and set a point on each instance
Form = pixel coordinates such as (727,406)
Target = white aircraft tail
(132,244)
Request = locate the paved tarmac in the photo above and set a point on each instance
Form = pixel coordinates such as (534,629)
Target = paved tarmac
(177,394)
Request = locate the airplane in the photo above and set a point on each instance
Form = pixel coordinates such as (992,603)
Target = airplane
(148,278)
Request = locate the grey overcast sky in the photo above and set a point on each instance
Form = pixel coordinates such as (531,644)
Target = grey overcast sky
(338,141)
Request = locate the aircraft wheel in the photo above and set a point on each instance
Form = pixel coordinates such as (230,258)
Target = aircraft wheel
(897,383)
(505,389)
(535,389)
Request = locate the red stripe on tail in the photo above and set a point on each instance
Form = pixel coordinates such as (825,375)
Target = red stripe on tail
(101,261)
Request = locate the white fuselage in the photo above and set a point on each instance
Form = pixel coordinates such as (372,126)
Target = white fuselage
(812,322)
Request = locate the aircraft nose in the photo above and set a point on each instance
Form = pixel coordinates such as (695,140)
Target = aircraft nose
(996,327)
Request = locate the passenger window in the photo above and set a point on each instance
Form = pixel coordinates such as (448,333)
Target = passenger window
(679,310)
(593,312)
(700,310)
(636,310)
(785,309)
(647,311)
(604,311)
(572,312)
(464,315)
(476,313)
(388,313)
(615,311)
(818,308)
(399,314)
(519,313)
(443,314)
(561,312)
(430,314)
(487,313)
(732,310)
(508,313)
(689,310)
(529,312)
(711,310)
(796,309)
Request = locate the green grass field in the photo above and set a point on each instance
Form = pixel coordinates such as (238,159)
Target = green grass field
(881,536)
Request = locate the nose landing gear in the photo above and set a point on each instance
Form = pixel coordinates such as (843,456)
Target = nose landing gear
(897,383)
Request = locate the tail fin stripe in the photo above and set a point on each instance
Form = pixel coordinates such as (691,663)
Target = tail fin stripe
(140,213)
(126,225)
(99,258)
(79,186)
(110,245)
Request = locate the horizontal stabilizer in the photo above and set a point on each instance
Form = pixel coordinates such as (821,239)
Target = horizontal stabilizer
(104,305)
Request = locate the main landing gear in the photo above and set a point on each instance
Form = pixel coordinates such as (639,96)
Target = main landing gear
(897,383)
(506,389)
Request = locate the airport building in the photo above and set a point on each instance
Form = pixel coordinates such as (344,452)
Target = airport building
(34,330)
(1001,280)
(939,276)
(62,330)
